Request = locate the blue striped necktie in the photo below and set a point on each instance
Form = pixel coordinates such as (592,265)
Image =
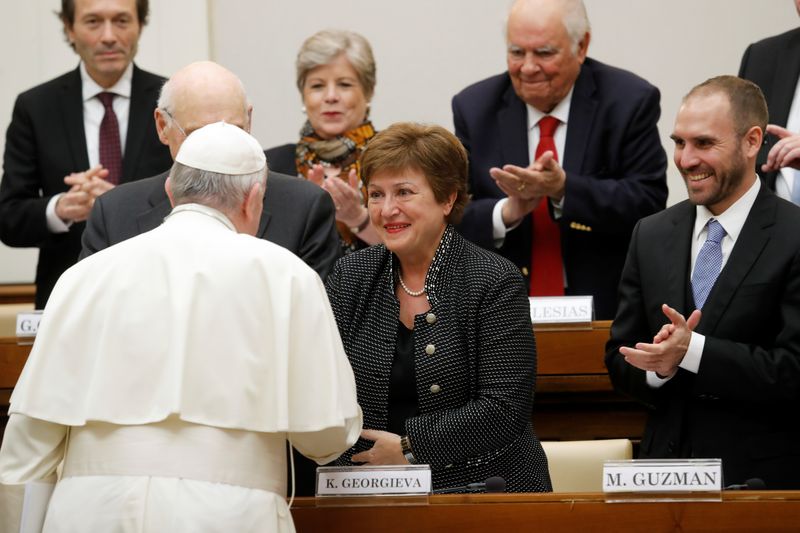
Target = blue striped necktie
(708,264)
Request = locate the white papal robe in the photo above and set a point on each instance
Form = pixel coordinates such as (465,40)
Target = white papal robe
(166,376)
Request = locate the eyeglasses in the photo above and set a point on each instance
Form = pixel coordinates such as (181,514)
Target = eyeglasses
(166,112)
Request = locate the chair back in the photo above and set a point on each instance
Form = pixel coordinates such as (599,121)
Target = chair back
(577,466)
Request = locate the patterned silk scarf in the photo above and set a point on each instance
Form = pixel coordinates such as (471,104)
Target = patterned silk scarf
(344,152)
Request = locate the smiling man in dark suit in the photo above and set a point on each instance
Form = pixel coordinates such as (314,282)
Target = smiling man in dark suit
(75,137)
(560,202)
(725,381)
(297,214)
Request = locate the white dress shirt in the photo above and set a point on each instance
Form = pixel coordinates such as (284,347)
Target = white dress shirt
(732,220)
(93,112)
(789,178)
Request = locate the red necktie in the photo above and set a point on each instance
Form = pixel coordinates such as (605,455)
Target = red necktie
(547,270)
(110,150)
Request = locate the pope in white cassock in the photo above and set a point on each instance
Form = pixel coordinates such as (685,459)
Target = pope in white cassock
(170,369)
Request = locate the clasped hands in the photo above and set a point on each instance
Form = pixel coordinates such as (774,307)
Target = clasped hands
(84,187)
(346,195)
(525,186)
(669,345)
(386,449)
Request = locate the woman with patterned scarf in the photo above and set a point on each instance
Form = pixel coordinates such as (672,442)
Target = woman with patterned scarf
(336,78)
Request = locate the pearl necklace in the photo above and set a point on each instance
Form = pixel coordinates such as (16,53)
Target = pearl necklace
(409,291)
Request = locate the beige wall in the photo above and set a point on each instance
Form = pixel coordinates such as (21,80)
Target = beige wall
(427,50)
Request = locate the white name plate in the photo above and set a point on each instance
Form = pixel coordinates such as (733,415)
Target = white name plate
(373,480)
(28,323)
(663,475)
(561,309)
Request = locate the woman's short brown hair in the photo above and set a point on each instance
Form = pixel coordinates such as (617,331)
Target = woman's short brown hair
(432,150)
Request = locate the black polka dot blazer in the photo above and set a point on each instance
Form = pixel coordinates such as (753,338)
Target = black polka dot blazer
(475,359)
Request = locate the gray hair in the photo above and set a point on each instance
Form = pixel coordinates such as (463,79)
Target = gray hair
(324,46)
(166,98)
(575,20)
(224,192)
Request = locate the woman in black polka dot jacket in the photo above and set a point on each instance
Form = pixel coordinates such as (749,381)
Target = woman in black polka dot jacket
(437,330)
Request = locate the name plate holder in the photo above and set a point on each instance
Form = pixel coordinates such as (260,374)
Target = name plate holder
(27,326)
(562,312)
(353,485)
(664,480)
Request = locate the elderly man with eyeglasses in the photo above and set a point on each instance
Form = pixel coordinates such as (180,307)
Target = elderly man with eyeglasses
(297,215)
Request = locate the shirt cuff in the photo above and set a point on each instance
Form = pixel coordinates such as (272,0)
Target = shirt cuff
(499,228)
(558,207)
(655,382)
(54,223)
(691,361)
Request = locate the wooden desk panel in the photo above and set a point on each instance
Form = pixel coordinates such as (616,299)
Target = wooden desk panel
(17,293)
(764,511)
(574,396)
(12,359)
(572,351)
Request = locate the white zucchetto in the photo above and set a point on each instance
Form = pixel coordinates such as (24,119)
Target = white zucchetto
(222,148)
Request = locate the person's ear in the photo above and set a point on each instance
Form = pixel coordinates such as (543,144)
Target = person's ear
(253,204)
(752,141)
(583,47)
(249,118)
(168,189)
(448,205)
(161,125)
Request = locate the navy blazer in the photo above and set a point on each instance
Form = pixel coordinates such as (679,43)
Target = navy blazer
(297,215)
(45,142)
(615,165)
(774,65)
(741,405)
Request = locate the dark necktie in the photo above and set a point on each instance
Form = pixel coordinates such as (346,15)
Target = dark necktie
(110,149)
(708,264)
(547,268)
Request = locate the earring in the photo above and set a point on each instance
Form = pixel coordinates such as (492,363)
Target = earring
(303,110)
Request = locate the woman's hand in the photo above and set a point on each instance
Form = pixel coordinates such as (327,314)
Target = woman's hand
(316,175)
(346,197)
(386,449)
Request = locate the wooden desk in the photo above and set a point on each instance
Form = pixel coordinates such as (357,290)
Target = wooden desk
(12,359)
(17,293)
(574,397)
(764,511)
